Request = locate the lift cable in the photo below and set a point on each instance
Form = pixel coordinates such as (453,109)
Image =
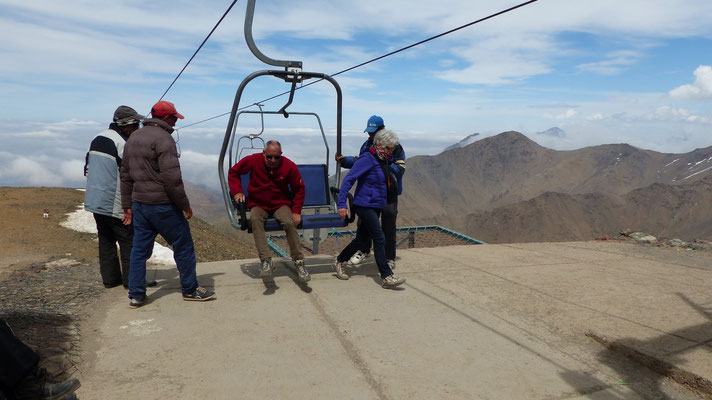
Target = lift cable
(199,47)
(374,59)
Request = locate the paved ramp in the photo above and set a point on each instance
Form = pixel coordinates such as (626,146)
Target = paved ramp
(525,321)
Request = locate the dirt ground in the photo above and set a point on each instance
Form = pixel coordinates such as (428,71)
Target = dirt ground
(26,237)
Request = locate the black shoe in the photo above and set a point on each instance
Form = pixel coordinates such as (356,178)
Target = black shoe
(151,283)
(199,294)
(112,285)
(31,389)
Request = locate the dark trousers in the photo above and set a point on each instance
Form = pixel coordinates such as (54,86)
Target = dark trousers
(167,220)
(111,230)
(17,360)
(389,214)
(369,229)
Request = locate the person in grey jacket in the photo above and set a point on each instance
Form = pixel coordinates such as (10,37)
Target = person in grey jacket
(153,197)
(103,196)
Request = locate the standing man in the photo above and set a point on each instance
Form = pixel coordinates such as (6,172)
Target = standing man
(153,197)
(103,196)
(396,165)
(275,190)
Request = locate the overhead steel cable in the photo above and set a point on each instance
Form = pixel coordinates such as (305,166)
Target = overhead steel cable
(199,47)
(377,58)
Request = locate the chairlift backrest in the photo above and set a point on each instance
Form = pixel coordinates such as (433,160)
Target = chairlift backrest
(316,185)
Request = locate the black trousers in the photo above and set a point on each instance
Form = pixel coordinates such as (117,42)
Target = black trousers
(111,230)
(389,214)
(17,360)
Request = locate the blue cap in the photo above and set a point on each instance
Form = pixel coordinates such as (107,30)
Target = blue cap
(374,123)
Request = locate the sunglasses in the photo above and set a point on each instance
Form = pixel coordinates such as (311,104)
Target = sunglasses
(269,157)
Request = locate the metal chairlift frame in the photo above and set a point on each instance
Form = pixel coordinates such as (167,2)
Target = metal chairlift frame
(293,74)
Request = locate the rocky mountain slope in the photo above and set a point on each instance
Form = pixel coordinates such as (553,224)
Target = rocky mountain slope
(510,169)
(672,211)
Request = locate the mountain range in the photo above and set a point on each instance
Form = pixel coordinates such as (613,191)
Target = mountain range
(508,188)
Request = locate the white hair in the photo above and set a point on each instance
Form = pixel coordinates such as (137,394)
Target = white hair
(386,138)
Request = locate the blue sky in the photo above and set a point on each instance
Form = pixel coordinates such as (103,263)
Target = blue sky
(604,71)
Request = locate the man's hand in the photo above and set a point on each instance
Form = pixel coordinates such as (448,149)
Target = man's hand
(239,198)
(297,218)
(128,216)
(339,158)
(343,213)
(188,213)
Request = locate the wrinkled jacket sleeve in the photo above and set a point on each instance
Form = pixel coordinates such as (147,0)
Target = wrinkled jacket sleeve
(349,161)
(360,168)
(397,165)
(169,169)
(234,175)
(127,182)
(297,185)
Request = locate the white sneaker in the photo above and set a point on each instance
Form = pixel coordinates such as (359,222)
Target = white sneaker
(391,264)
(339,269)
(358,258)
(392,281)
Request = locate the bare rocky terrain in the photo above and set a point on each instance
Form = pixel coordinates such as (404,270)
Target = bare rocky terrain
(507,188)
(49,274)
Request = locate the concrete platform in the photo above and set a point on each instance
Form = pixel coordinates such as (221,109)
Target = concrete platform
(594,320)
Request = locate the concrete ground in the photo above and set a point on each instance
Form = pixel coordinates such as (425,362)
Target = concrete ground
(593,320)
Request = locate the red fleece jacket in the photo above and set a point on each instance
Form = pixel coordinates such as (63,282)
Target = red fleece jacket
(268,187)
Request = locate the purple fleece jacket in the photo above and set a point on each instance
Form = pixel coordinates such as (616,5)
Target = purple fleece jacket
(371,187)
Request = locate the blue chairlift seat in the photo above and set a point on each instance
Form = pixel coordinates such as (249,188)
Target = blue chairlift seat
(317,196)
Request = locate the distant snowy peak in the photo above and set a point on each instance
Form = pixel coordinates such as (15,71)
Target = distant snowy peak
(554,132)
(464,142)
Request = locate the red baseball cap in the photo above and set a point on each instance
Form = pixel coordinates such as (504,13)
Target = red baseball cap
(163,108)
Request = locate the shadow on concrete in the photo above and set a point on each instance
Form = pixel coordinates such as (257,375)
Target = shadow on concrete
(169,282)
(649,381)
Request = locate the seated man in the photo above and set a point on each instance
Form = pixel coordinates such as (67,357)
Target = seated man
(19,376)
(275,190)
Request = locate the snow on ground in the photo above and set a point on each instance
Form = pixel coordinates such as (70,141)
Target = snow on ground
(83,221)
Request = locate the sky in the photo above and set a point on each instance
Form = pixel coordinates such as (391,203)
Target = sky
(604,71)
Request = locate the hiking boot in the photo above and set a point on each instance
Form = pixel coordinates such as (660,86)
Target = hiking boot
(391,264)
(267,268)
(199,294)
(339,269)
(358,258)
(302,273)
(136,303)
(392,281)
(32,389)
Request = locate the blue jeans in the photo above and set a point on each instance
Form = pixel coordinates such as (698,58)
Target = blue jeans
(369,228)
(168,221)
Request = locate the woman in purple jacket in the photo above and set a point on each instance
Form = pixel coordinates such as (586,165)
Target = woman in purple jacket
(375,184)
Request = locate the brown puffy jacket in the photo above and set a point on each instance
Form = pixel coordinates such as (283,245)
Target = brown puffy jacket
(150,171)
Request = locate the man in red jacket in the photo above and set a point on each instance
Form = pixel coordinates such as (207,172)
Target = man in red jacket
(275,190)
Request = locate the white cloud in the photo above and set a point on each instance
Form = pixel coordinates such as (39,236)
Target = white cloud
(613,64)
(38,134)
(40,171)
(667,113)
(700,89)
